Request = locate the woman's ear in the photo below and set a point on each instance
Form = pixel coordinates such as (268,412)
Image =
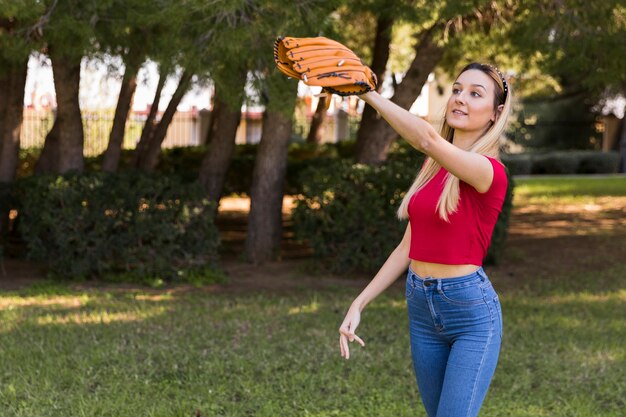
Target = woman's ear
(496,113)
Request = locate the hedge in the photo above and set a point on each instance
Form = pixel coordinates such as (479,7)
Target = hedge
(117,226)
(347,213)
(563,162)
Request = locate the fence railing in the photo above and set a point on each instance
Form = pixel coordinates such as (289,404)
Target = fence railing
(183,131)
(187,128)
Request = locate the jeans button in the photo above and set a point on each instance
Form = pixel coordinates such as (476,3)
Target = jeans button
(427,283)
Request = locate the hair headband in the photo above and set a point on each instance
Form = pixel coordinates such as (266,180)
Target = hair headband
(504,83)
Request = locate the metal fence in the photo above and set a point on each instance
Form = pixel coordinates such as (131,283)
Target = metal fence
(183,131)
(187,128)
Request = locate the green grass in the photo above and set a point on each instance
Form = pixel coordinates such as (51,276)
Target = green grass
(113,352)
(569,189)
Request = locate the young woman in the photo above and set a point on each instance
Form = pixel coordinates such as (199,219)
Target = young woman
(455,319)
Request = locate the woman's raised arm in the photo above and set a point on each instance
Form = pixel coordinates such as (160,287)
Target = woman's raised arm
(469,167)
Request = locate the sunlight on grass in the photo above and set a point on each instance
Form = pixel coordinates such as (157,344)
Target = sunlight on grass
(571,188)
(99,317)
(307,308)
(50,301)
(154,297)
(586,298)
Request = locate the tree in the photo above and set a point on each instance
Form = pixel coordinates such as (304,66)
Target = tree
(317,122)
(146,154)
(189,28)
(21,26)
(279,97)
(266,193)
(68,39)
(438,25)
(225,118)
(228,65)
(129,34)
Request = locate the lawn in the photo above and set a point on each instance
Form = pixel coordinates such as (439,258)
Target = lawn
(69,350)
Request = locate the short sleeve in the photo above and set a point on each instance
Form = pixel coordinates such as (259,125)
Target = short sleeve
(500,181)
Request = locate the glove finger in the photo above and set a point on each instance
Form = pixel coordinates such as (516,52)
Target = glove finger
(333,71)
(280,53)
(282,62)
(325,61)
(334,78)
(355,89)
(288,71)
(354,82)
(290,42)
(313,52)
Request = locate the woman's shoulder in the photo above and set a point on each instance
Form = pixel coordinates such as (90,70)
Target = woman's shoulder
(500,180)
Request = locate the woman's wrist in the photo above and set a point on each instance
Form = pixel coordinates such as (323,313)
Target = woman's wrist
(367,97)
(359,304)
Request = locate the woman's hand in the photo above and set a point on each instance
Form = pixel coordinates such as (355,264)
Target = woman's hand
(346,331)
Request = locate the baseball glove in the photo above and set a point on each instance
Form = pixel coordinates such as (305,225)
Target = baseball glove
(326,63)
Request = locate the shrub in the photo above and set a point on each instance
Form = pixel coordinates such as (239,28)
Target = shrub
(501,229)
(117,225)
(598,162)
(518,164)
(348,214)
(556,163)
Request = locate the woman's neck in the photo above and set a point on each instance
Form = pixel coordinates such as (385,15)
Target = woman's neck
(465,139)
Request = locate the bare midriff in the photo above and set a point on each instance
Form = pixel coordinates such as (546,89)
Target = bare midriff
(434,270)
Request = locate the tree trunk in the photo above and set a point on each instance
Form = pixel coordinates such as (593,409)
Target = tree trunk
(124,103)
(63,148)
(224,122)
(316,131)
(11,115)
(266,193)
(149,125)
(370,118)
(149,159)
(376,134)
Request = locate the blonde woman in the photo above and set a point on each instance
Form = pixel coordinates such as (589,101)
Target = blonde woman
(455,319)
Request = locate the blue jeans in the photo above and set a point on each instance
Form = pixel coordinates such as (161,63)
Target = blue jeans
(455,326)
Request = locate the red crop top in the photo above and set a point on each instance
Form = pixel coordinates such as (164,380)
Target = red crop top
(466,237)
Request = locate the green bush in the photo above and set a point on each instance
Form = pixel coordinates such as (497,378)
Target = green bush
(129,226)
(501,229)
(347,213)
(518,164)
(556,163)
(598,162)
(564,162)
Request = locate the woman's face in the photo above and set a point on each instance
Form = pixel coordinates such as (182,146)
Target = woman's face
(470,107)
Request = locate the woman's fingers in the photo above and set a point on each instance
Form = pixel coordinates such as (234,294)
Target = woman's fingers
(358,339)
(345,336)
(345,351)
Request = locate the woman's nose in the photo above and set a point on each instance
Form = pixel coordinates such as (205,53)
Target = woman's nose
(459,98)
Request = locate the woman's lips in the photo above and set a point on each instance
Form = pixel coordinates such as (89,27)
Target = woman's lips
(459,112)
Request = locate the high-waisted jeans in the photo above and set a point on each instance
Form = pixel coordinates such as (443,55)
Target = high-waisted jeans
(455,326)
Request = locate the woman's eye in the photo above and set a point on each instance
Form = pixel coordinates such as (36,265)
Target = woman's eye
(455,91)
(475,94)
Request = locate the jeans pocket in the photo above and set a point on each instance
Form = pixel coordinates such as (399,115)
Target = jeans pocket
(464,296)
(409,288)
(496,301)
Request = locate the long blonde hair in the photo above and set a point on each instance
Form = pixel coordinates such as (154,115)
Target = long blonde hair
(488,144)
